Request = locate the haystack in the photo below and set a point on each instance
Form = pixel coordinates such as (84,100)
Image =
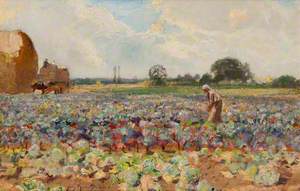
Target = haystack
(18,62)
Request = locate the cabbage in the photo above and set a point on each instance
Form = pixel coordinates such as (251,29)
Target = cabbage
(203,185)
(267,176)
(251,171)
(170,173)
(34,151)
(204,152)
(32,185)
(57,188)
(131,178)
(73,157)
(191,174)
(150,168)
(92,158)
(180,160)
(82,146)
(56,155)
(234,168)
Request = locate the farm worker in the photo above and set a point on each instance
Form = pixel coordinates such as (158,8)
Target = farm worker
(214,104)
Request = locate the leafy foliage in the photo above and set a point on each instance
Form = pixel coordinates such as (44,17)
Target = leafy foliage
(229,69)
(206,79)
(267,175)
(158,75)
(285,81)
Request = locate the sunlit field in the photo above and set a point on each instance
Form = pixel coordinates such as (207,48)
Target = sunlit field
(142,89)
(133,137)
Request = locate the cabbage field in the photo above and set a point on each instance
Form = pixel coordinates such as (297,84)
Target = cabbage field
(99,141)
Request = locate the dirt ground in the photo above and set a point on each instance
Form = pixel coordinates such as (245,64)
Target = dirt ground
(210,170)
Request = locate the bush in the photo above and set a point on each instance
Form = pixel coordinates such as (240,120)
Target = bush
(285,81)
(206,79)
(298,83)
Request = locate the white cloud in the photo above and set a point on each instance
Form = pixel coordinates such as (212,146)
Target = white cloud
(65,31)
(263,33)
(6,11)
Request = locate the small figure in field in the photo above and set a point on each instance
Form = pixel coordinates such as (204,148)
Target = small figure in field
(215,104)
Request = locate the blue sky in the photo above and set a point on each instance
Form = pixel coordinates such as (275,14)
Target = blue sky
(137,14)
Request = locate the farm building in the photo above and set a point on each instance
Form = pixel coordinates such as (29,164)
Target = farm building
(52,73)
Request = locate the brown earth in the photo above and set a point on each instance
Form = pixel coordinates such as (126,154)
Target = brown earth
(210,170)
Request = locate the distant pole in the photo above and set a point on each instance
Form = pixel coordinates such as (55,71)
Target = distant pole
(115,74)
(119,74)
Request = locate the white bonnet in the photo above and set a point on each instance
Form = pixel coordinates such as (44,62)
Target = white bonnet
(205,87)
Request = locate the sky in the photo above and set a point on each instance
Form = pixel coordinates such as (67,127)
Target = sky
(90,37)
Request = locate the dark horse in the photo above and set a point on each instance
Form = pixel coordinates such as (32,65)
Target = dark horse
(39,86)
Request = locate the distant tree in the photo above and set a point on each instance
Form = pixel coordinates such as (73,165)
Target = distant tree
(298,83)
(158,75)
(197,77)
(285,81)
(206,79)
(188,77)
(231,69)
(179,77)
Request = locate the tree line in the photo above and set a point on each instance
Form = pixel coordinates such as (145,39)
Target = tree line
(223,71)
